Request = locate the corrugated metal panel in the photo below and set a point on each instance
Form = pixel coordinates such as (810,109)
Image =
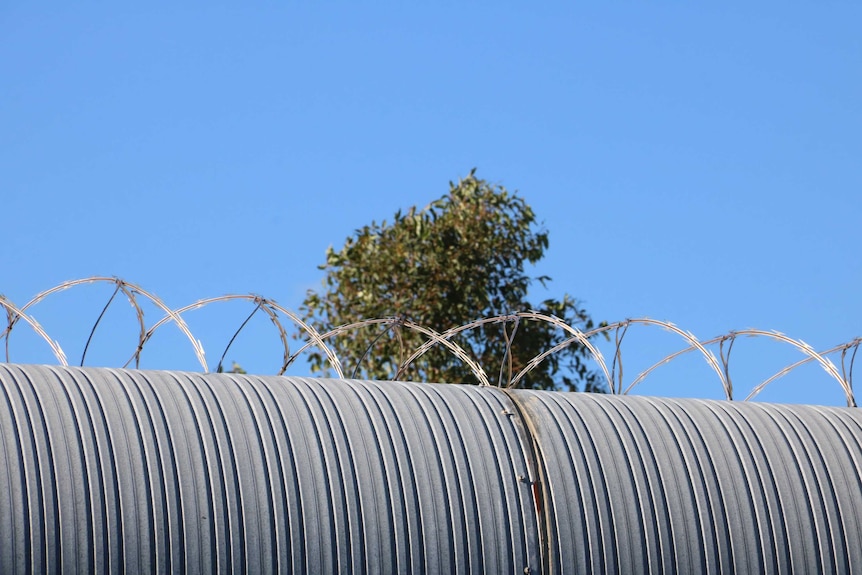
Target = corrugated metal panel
(633,484)
(110,470)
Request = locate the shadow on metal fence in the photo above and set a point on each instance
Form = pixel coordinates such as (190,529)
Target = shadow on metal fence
(284,319)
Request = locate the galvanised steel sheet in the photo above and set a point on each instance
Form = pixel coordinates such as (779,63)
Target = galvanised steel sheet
(105,470)
(636,485)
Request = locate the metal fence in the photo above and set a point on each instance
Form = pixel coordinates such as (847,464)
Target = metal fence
(289,324)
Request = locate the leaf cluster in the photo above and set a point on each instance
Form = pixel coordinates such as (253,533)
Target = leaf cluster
(459,259)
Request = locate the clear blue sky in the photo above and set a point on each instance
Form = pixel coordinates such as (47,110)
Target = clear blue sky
(701,165)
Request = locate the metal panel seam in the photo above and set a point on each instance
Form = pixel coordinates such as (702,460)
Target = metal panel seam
(537,478)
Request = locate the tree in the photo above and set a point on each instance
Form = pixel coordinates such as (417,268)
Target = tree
(459,259)
(235,368)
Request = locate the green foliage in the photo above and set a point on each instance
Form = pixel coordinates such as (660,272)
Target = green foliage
(235,368)
(459,259)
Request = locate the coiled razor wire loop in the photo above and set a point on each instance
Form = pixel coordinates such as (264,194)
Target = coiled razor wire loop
(270,308)
(434,338)
(572,336)
(129,290)
(13,314)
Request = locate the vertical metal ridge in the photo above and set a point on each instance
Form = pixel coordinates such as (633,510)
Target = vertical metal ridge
(344,470)
(46,555)
(402,486)
(831,534)
(502,419)
(101,488)
(451,456)
(287,503)
(245,436)
(598,534)
(603,539)
(573,482)
(453,453)
(615,460)
(395,457)
(806,472)
(433,481)
(738,503)
(646,480)
(224,477)
(847,465)
(376,467)
(632,549)
(506,518)
(73,483)
(765,509)
(689,486)
(171,546)
(148,492)
(430,529)
(331,512)
(61,485)
(270,489)
(795,503)
(427,458)
(306,459)
(16,530)
(197,493)
(708,500)
(655,450)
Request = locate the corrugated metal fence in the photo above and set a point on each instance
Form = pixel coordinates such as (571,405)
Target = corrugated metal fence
(105,470)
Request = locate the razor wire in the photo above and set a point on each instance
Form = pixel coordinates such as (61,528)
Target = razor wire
(313,339)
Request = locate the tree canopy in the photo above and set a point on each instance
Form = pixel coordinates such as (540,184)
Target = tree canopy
(459,259)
